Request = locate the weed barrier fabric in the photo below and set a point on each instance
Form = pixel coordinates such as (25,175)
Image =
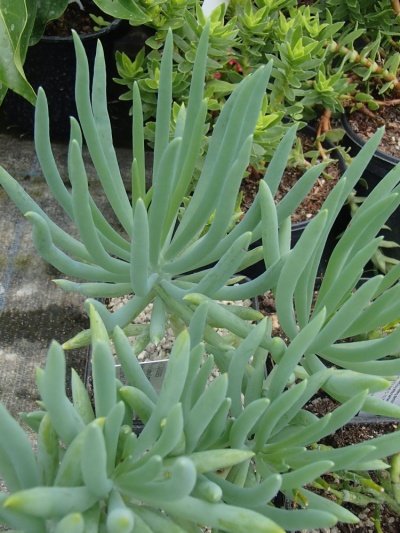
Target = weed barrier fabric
(33,310)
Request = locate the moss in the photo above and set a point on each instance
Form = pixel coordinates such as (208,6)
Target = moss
(36,193)
(23,260)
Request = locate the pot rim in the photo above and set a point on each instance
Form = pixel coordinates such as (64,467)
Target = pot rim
(83,36)
(327,143)
(360,142)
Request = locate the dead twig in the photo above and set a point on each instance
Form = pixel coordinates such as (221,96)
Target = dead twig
(323,126)
(396,6)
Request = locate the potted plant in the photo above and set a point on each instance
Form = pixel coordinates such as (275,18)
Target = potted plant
(31,21)
(367,54)
(193,464)
(272,426)
(243,36)
(42,54)
(153,261)
(233,54)
(186,257)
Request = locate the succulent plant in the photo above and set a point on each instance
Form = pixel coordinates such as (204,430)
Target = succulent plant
(363,488)
(244,36)
(216,453)
(366,51)
(91,472)
(203,458)
(328,56)
(159,256)
(176,266)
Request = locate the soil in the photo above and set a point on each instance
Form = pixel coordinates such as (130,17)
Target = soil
(366,123)
(74,18)
(317,195)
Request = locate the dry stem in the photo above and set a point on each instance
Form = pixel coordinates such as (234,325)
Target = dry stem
(323,126)
(396,6)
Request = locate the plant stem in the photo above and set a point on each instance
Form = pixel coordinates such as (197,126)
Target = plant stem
(396,6)
(365,62)
(323,126)
(377,519)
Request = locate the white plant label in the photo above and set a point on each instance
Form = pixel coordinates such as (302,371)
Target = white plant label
(154,370)
(390,395)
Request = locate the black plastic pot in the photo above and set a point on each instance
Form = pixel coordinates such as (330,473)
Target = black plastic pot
(379,165)
(51,64)
(377,168)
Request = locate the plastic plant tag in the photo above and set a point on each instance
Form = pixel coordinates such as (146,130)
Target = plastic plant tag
(390,395)
(154,370)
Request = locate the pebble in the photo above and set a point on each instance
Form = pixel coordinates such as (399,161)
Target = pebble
(161,350)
